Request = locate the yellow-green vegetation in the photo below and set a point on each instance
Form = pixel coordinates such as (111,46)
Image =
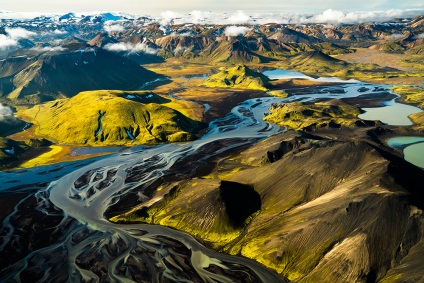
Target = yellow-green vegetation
(410,94)
(299,115)
(177,67)
(389,46)
(400,69)
(332,49)
(111,117)
(317,63)
(413,95)
(237,77)
(194,206)
(310,201)
(368,65)
(279,93)
(45,158)
(418,120)
(414,63)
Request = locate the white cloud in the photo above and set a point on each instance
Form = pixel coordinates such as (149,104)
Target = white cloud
(420,35)
(168,17)
(10,39)
(130,48)
(113,27)
(235,31)
(335,16)
(6,115)
(397,35)
(59,32)
(5,111)
(199,16)
(239,18)
(6,42)
(18,33)
(20,15)
(330,16)
(184,34)
(49,48)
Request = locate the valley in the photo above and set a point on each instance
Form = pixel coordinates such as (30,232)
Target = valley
(189,152)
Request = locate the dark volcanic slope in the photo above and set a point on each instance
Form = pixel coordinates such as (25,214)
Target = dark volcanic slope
(330,211)
(58,74)
(333,212)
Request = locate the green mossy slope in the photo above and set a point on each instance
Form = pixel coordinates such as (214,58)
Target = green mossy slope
(237,77)
(112,118)
(298,115)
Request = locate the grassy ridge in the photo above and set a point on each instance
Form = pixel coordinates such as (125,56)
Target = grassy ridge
(112,118)
(298,115)
(237,77)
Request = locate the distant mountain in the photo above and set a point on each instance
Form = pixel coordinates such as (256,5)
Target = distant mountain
(287,35)
(231,50)
(52,74)
(185,46)
(112,118)
(209,42)
(101,40)
(315,62)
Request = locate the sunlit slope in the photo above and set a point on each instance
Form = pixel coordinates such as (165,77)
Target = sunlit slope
(237,77)
(112,118)
(316,62)
(13,151)
(299,115)
(211,209)
(331,211)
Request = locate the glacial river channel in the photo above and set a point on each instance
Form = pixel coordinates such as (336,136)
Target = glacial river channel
(88,245)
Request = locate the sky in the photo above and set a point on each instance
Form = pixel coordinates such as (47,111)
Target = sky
(155,7)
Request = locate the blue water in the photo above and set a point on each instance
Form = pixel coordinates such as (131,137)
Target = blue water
(401,141)
(287,74)
(415,154)
(414,150)
(393,113)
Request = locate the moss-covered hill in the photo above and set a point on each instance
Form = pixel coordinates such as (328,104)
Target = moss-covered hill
(299,115)
(316,62)
(112,118)
(237,77)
